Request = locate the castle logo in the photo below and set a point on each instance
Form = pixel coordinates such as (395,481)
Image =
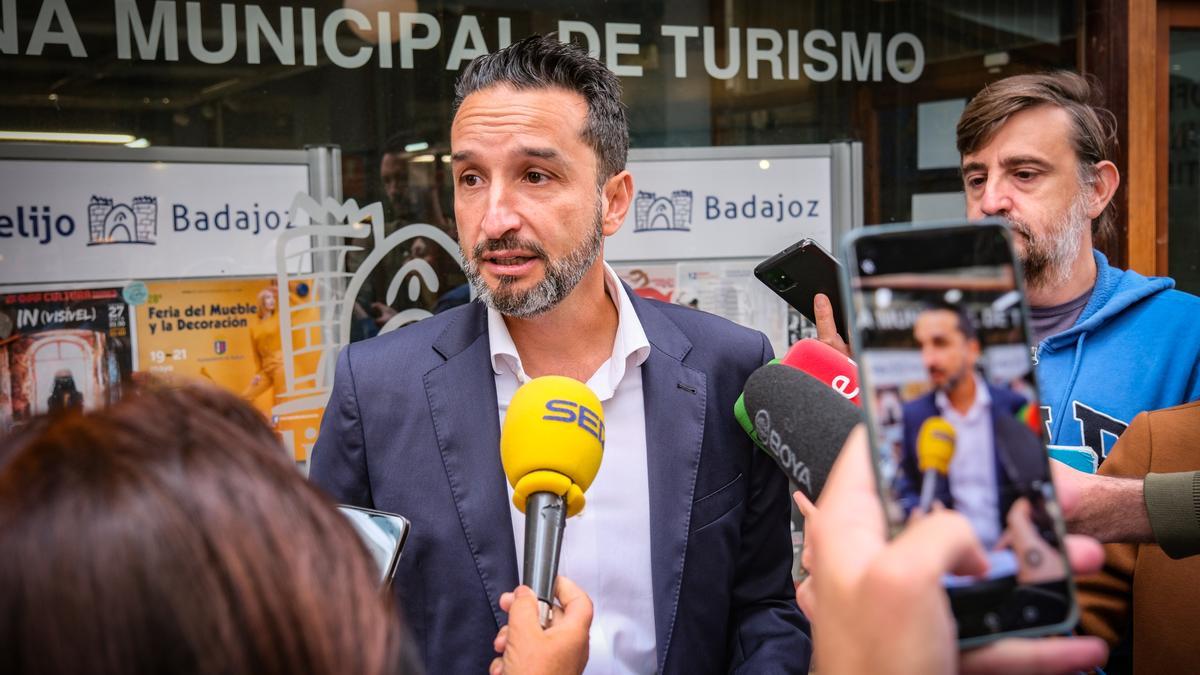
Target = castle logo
(660,214)
(113,223)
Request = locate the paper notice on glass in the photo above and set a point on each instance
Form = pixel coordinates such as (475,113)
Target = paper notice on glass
(62,349)
(799,327)
(729,289)
(656,282)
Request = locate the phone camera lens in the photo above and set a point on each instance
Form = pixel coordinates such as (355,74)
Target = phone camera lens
(779,281)
(868,266)
(1030,614)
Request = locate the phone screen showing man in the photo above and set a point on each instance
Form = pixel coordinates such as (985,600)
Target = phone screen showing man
(941,332)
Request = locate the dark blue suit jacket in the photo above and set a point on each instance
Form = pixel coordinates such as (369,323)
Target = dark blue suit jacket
(413,428)
(1019,455)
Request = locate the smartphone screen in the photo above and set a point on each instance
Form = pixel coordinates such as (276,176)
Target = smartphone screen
(941,335)
(383,534)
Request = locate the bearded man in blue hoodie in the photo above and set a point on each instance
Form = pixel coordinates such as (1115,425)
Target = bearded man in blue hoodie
(1109,343)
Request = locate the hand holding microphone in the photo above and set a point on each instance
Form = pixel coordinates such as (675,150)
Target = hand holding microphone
(527,648)
(935,449)
(550,446)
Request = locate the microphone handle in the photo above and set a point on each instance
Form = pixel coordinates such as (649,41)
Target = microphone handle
(545,520)
(928,485)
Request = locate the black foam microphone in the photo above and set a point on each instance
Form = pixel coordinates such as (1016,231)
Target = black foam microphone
(801,422)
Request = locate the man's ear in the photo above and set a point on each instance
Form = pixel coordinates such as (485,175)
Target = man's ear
(1103,188)
(617,195)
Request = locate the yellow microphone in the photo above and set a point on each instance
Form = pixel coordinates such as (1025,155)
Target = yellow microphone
(935,449)
(550,446)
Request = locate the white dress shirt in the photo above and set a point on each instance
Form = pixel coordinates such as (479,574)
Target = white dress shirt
(606,548)
(973,466)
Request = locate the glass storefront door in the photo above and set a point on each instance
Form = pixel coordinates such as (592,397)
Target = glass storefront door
(1183,157)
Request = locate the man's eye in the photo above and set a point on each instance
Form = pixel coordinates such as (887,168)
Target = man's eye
(1026,175)
(535,177)
(469,180)
(975,181)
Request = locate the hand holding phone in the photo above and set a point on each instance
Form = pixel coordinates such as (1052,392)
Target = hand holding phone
(824,316)
(801,274)
(940,330)
(879,603)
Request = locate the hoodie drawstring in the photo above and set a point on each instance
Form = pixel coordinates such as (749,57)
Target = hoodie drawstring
(1062,405)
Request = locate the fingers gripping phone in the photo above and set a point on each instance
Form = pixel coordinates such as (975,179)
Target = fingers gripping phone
(798,273)
(939,324)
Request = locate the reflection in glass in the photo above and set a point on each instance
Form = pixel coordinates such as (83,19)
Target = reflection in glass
(1183,176)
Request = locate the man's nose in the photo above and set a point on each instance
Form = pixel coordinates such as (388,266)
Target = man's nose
(501,215)
(996,199)
(927,358)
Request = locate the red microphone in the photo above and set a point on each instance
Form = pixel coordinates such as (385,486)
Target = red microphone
(826,364)
(817,360)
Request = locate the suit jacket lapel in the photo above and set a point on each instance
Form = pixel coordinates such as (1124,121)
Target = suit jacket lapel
(675,397)
(462,403)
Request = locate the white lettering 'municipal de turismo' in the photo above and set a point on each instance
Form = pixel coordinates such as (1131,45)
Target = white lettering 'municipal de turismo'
(294,36)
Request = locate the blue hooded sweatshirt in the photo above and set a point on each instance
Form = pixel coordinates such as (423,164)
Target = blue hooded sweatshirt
(1135,347)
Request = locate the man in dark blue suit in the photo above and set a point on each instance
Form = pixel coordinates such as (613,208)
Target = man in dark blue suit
(997,459)
(684,544)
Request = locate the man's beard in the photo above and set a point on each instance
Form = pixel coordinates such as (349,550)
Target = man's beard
(561,276)
(952,381)
(1047,258)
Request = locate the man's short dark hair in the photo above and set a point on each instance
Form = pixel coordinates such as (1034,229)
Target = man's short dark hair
(1093,129)
(965,325)
(543,62)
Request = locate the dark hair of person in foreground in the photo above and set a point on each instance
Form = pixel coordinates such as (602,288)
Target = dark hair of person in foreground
(171,533)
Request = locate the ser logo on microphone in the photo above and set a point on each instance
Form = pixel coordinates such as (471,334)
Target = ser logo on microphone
(571,412)
(796,469)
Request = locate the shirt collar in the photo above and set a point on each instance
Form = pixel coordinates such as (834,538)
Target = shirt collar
(631,348)
(982,400)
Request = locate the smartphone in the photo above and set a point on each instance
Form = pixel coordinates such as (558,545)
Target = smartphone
(798,273)
(940,330)
(383,534)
